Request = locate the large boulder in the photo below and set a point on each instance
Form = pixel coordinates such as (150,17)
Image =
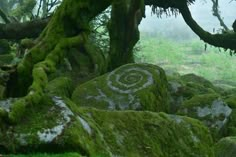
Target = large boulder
(58,125)
(231,101)
(129,87)
(211,109)
(226,147)
(182,88)
(193,78)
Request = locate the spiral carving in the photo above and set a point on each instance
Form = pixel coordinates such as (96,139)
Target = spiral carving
(129,79)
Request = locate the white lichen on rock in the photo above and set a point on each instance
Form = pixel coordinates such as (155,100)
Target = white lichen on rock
(7,104)
(129,87)
(49,134)
(103,97)
(85,125)
(121,102)
(128,79)
(217,109)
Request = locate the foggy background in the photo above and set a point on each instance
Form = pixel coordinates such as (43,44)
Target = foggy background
(175,27)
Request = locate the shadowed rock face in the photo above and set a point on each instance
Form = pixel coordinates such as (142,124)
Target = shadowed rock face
(129,87)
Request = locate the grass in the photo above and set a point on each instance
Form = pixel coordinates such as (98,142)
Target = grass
(188,57)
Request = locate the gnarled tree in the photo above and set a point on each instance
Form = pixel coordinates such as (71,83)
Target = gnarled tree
(66,40)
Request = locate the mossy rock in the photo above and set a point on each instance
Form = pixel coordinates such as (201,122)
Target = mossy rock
(58,125)
(229,92)
(231,101)
(129,87)
(61,86)
(182,88)
(27,43)
(226,147)
(197,79)
(211,110)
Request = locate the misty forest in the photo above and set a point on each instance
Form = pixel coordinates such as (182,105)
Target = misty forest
(117,78)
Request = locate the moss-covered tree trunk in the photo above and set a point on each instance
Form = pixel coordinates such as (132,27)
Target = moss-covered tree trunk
(123,30)
(68,30)
(67,34)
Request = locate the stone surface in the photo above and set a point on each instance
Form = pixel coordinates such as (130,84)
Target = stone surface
(231,128)
(182,88)
(210,109)
(59,125)
(129,87)
(226,147)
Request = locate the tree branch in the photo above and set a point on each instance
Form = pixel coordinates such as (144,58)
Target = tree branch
(226,41)
(4,16)
(216,13)
(30,29)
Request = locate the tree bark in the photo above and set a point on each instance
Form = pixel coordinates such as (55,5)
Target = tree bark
(16,31)
(226,41)
(68,29)
(123,30)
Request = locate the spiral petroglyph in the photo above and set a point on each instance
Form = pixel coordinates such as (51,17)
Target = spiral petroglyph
(129,79)
(130,87)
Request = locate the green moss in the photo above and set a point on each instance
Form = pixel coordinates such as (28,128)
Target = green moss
(211,110)
(17,111)
(226,147)
(191,89)
(161,134)
(200,100)
(61,86)
(197,79)
(27,43)
(3,114)
(231,101)
(93,132)
(132,86)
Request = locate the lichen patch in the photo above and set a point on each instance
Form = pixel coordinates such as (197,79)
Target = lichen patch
(49,134)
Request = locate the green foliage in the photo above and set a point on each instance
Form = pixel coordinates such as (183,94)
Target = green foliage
(188,57)
(99,28)
(24,9)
